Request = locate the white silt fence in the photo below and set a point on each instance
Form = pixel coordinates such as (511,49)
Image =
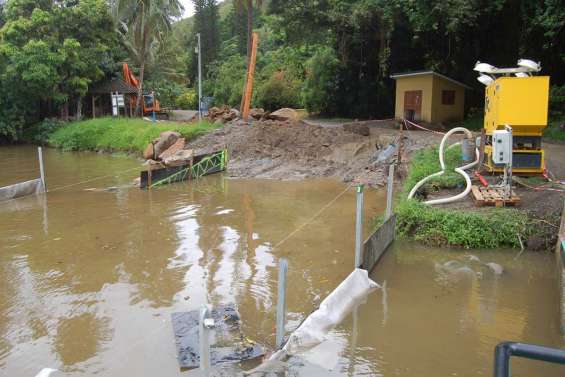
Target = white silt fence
(33,187)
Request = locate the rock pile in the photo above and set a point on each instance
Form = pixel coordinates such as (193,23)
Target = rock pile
(168,149)
(222,115)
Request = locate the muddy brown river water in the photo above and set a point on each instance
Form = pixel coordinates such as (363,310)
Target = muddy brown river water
(90,274)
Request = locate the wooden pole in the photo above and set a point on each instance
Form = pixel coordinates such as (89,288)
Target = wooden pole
(389,192)
(93,107)
(250,74)
(400,144)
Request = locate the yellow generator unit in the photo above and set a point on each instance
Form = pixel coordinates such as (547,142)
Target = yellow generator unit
(521,103)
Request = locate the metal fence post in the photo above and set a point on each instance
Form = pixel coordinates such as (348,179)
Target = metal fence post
(204,342)
(389,190)
(41,168)
(359,226)
(281,302)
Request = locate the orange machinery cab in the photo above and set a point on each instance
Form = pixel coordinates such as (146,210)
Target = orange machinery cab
(150,103)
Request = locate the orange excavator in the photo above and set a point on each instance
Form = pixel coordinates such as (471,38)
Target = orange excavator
(149,103)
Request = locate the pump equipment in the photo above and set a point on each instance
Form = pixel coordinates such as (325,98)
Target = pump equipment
(517,99)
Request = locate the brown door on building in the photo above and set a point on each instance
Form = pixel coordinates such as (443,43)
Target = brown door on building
(413,105)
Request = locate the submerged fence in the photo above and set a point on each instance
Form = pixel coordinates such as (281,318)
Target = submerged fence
(33,187)
(367,256)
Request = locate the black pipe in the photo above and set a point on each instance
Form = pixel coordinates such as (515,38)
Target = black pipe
(505,350)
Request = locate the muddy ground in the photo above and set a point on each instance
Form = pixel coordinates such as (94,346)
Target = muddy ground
(285,150)
(350,152)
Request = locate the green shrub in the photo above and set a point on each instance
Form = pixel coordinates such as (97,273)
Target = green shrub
(557,101)
(167,91)
(188,100)
(39,133)
(278,91)
(321,82)
(228,78)
(121,134)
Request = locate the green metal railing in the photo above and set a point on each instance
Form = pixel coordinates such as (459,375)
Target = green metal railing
(211,163)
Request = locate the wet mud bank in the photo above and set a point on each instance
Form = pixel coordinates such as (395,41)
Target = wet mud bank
(299,150)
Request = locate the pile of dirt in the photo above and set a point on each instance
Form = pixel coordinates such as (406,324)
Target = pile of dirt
(297,150)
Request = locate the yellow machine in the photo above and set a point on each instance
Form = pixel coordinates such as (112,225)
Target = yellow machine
(520,102)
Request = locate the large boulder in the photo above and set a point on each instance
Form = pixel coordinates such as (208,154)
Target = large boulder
(256,114)
(149,152)
(165,141)
(284,114)
(177,146)
(181,157)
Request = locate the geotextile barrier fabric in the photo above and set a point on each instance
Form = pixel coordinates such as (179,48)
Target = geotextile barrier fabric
(32,187)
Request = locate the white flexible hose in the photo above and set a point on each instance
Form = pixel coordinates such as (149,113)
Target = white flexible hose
(460,170)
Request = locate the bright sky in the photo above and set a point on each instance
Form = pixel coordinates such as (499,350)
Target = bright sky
(188,8)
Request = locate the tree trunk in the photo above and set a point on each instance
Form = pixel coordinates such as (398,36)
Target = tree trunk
(78,115)
(249,27)
(139,104)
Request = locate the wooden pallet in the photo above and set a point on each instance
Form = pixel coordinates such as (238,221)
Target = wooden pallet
(485,196)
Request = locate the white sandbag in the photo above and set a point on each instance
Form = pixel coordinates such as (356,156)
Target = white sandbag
(21,189)
(46,372)
(331,312)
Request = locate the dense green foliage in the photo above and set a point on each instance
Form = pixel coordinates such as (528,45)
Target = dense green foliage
(119,134)
(330,56)
(50,52)
(349,48)
(556,129)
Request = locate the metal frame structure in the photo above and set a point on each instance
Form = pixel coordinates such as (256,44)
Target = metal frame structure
(505,350)
(209,164)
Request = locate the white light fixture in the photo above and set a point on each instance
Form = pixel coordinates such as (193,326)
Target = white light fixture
(522,74)
(484,67)
(485,80)
(529,64)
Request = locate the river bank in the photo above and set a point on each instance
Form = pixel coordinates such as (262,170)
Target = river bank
(354,152)
(130,135)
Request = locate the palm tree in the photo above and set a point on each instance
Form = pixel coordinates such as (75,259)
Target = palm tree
(248,4)
(143,26)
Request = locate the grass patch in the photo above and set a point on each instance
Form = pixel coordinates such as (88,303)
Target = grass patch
(426,162)
(121,134)
(471,230)
(493,228)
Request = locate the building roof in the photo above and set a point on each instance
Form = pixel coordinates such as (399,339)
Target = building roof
(422,73)
(113,85)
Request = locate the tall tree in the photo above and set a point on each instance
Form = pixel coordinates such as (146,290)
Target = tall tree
(143,25)
(53,50)
(207,23)
(248,5)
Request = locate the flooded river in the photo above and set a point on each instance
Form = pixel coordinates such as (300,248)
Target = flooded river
(90,274)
